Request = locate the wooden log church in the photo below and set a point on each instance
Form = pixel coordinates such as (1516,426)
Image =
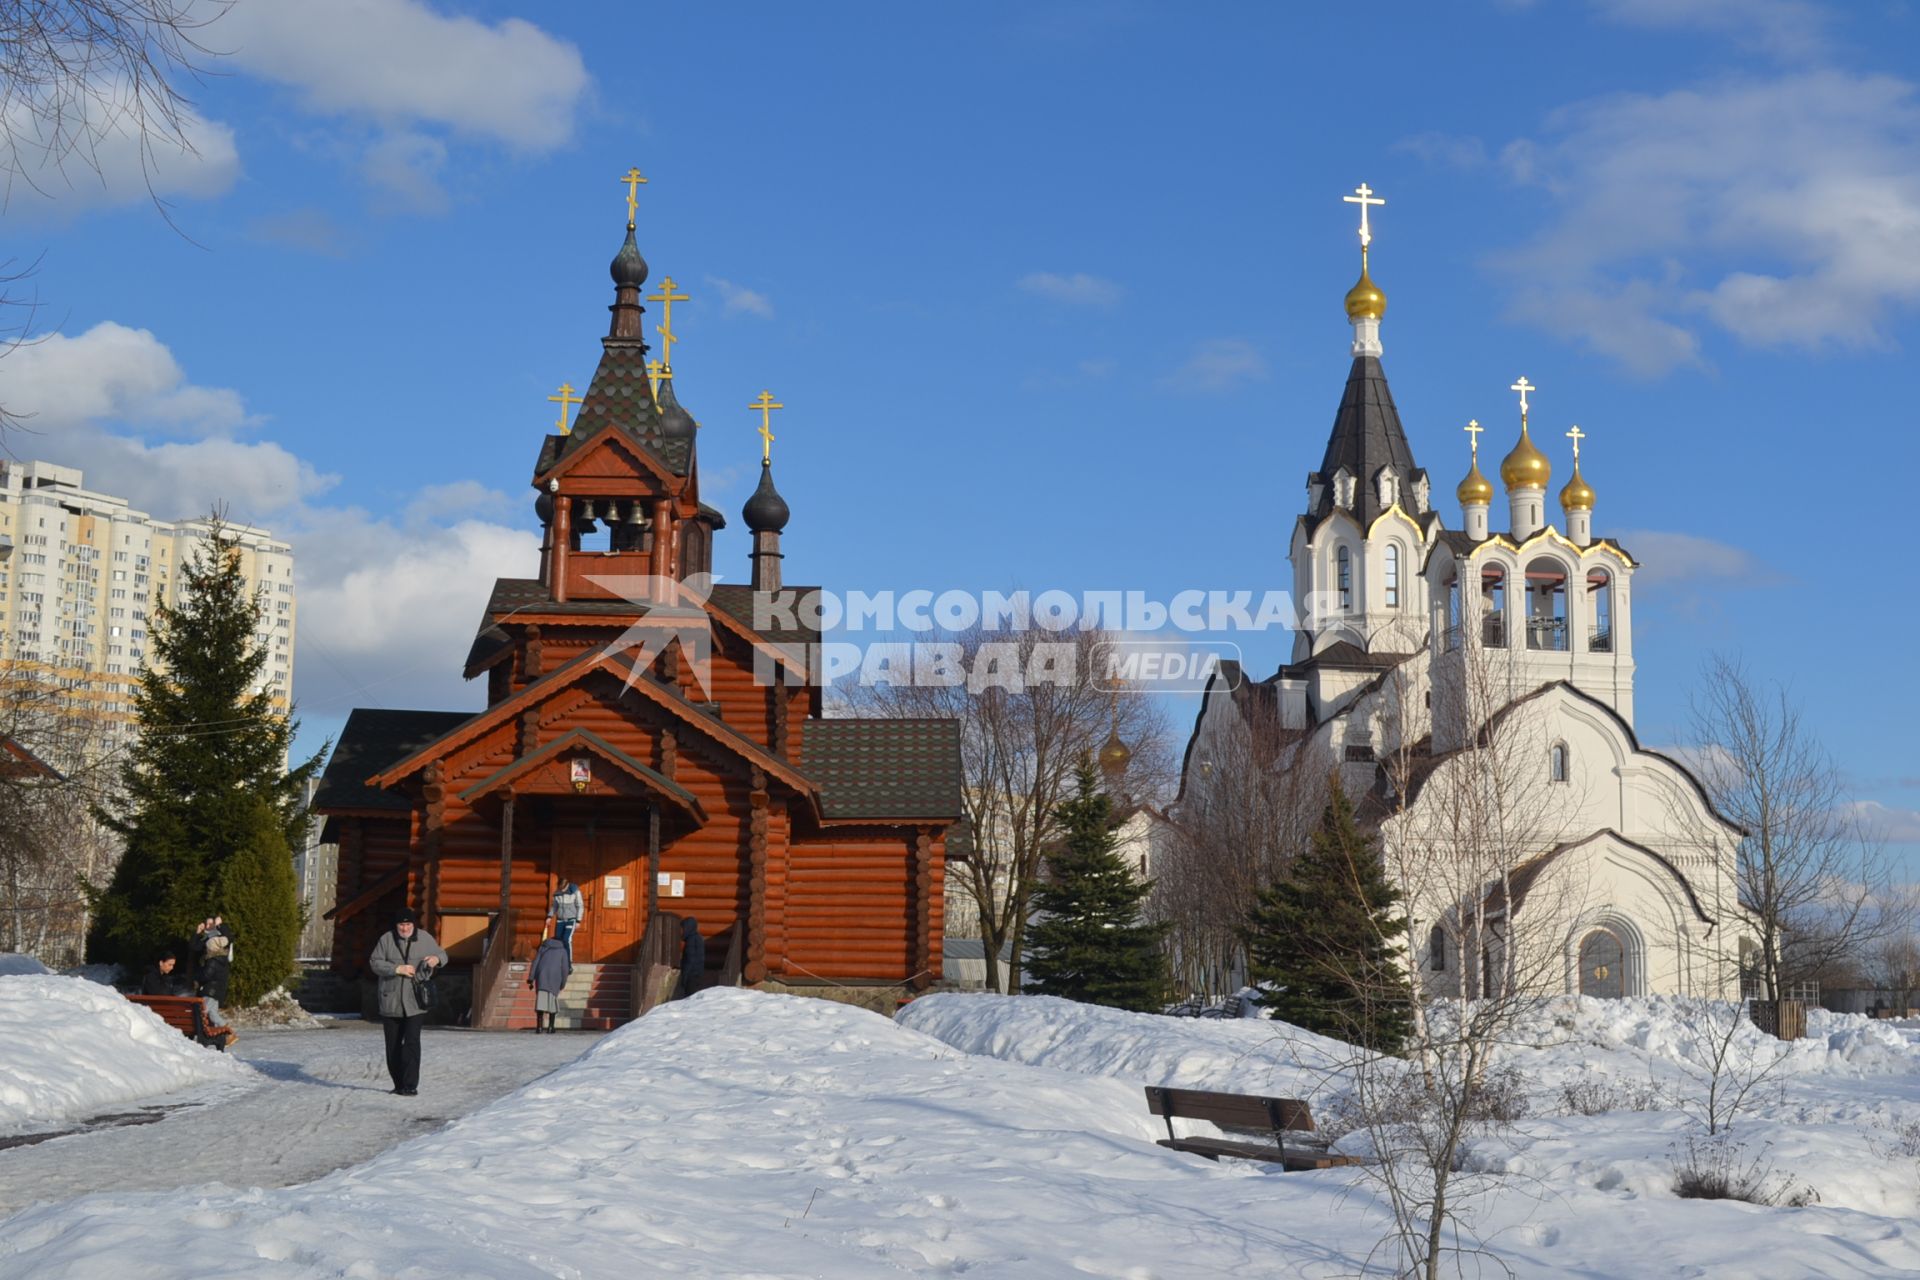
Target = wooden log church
(650,736)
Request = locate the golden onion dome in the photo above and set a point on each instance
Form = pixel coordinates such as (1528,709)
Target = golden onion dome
(1365,298)
(1114,756)
(1476,490)
(1526,467)
(1578,495)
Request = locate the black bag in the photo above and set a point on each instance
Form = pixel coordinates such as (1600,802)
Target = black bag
(423,989)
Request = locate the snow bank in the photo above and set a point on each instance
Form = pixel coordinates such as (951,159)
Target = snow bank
(1235,1055)
(70,1048)
(13,964)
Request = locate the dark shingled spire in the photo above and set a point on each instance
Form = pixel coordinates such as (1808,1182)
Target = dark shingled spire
(1367,437)
(766,511)
(675,422)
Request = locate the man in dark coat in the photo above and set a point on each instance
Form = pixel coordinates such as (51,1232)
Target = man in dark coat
(548,975)
(693,958)
(160,979)
(404,953)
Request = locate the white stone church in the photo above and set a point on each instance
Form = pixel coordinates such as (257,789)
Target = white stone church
(1474,687)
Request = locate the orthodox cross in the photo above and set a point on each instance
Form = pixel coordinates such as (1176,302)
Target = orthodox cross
(1363,196)
(766,404)
(1523,386)
(657,373)
(1473,430)
(666,298)
(634,182)
(566,400)
(1576,435)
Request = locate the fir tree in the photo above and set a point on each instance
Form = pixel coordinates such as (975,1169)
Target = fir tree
(209,759)
(260,900)
(1324,940)
(1088,942)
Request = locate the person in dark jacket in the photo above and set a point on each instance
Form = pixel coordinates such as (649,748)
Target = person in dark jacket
(161,980)
(213,966)
(404,953)
(693,958)
(548,975)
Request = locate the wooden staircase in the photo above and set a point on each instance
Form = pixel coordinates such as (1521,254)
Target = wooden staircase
(597,997)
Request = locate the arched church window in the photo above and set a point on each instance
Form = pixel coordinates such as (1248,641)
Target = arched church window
(1393,575)
(1453,613)
(1557,762)
(1343,577)
(1547,605)
(1437,950)
(1493,607)
(1600,611)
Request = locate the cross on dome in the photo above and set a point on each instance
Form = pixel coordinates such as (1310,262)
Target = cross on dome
(1364,197)
(666,298)
(633,182)
(766,404)
(566,400)
(1473,430)
(1576,435)
(1523,386)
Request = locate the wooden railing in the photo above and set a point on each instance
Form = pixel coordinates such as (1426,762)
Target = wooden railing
(730,971)
(491,974)
(657,966)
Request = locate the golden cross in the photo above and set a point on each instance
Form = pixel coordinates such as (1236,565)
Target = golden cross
(766,404)
(666,298)
(1473,430)
(634,182)
(657,373)
(566,400)
(1576,435)
(1523,386)
(1363,196)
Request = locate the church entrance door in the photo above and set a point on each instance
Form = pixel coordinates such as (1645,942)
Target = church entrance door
(1603,965)
(601,860)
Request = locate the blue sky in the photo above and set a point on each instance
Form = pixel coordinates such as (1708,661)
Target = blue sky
(1051,292)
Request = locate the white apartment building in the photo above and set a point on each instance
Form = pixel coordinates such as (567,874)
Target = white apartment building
(80,574)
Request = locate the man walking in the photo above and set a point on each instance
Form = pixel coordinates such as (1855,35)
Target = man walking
(404,957)
(568,907)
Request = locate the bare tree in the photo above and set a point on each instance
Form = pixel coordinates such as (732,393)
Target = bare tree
(1894,967)
(1243,812)
(1816,888)
(1031,704)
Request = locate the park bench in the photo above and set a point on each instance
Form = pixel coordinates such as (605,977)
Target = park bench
(188,1016)
(1272,1118)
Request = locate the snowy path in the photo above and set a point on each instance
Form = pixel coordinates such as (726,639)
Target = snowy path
(323,1104)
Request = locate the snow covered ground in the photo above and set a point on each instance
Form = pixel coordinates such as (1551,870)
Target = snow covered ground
(741,1134)
(70,1048)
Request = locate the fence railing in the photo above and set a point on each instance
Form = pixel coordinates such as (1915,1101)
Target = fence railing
(492,972)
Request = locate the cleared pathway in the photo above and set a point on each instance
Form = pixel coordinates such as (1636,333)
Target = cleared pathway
(321,1103)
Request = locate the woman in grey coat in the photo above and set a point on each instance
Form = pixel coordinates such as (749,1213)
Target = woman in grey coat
(404,954)
(547,975)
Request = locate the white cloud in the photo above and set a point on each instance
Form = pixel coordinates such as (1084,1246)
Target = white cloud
(734,297)
(1220,364)
(1667,557)
(110,373)
(1886,824)
(1787,28)
(308,229)
(1078,289)
(252,481)
(461,498)
(1445,150)
(401,62)
(405,169)
(386,613)
(98,155)
(1782,210)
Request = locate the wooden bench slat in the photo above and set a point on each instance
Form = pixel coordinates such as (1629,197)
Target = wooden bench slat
(1293,1158)
(1238,1109)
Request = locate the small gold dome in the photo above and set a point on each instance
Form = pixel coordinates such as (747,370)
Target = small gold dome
(1578,495)
(1476,489)
(1365,298)
(1526,467)
(1114,756)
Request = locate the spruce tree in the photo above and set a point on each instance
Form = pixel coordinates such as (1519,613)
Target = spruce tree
(1324,939)
(260,900)
(208,760)
(1088,942)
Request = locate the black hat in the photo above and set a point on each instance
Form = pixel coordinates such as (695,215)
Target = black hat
(406,915)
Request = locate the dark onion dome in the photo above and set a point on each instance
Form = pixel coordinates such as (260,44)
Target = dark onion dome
(543,507)
(675,422)
(766,511)
(629,268)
